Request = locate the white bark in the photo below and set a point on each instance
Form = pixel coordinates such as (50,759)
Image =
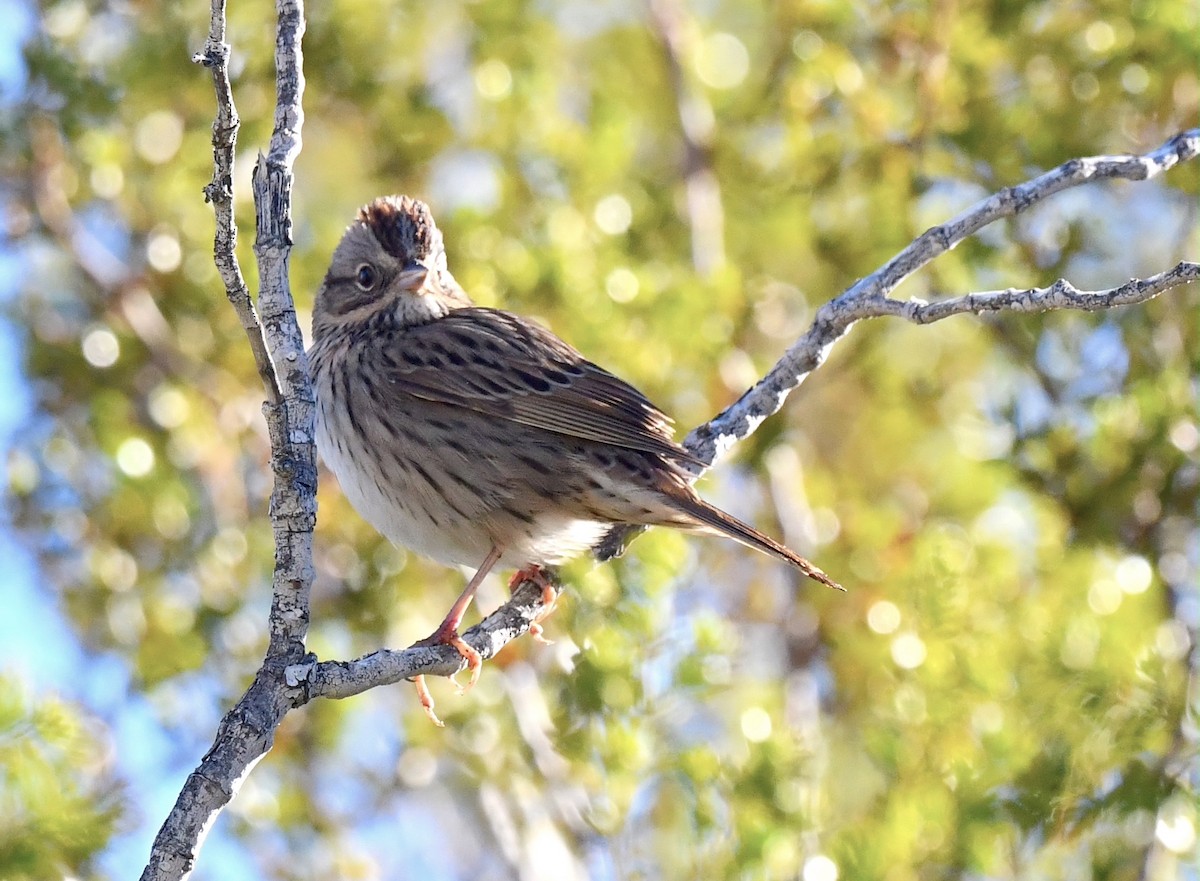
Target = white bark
(288,677)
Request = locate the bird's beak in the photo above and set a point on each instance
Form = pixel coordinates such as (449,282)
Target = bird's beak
(412,277)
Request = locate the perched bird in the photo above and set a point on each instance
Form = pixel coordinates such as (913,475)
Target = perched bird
(473,435)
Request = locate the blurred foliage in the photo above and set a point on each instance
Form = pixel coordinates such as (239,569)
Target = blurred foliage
(58,801)
(1012,502)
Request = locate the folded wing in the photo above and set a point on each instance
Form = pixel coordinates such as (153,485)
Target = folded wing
(507,367)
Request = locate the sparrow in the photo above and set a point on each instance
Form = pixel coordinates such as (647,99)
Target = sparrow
(475,436)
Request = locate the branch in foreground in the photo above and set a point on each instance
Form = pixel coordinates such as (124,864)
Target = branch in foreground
(1060,295)
(286,680)
(868,298)
(340,679)
(863,300)
(291,421)
(247,731)
(219,192)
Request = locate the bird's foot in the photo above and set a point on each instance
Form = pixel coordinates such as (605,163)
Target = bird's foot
(538,576)
(447,634)
(538,632)
(426,701)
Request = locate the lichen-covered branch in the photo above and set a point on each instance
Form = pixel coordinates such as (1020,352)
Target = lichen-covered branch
(247,732)
(868,297)
(288,677)
(219,192)
(1060,295)
(291,421)
(338,679)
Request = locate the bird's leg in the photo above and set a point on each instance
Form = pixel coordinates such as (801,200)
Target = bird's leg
(447,634)
(538,576)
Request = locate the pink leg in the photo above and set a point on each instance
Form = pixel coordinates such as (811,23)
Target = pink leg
(447,634)
(537,575)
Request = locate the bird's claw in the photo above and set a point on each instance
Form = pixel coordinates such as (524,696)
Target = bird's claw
(474,663)
(447,635)
(426,701)
(538,633)
(538,576)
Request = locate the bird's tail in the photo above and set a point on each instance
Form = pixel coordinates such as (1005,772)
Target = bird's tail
(717,520)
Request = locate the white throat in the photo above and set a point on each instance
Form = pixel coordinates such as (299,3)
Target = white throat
(412,309)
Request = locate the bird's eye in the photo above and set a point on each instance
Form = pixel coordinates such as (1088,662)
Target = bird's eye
(365,277)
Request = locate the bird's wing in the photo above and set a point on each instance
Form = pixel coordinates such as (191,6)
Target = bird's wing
(507,367)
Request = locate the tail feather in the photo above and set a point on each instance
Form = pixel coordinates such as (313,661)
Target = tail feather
(726,524)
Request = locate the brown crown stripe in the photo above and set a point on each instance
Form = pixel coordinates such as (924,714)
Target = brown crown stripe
(403,226)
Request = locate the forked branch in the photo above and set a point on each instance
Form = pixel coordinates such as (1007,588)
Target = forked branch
(288,678)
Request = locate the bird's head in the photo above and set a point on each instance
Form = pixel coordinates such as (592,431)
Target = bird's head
(389,264)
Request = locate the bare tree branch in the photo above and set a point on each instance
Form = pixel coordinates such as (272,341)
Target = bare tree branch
(1060,295)
(338,679)
(868,297)
(288,677)
(247,731)
(291,421)
(215,56)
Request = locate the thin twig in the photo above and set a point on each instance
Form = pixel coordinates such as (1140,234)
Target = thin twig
(866,298)
(1060,295)
(219,192)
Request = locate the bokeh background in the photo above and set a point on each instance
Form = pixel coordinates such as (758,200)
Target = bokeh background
(1012,502)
